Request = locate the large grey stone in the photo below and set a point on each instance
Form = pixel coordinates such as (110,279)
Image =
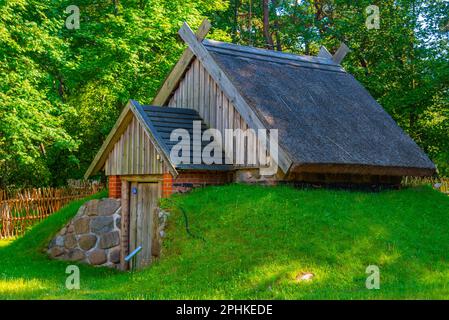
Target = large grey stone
(114,255)
(70,228)
(56,252)
(81,225)
(59,241)
(97,257)
(70,241)
(109,240)
(92,207)
(76,255)
(107,207)
(101,224)
(87,242)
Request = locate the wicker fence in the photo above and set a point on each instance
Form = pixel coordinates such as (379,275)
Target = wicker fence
(441,184)
(19,210)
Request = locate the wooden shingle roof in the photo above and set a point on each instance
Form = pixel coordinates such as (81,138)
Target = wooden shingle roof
(162,121)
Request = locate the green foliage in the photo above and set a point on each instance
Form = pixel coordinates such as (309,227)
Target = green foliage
(61,90)
(256,252)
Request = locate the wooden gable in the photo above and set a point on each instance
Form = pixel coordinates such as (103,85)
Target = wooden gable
(134,153)
(198,91)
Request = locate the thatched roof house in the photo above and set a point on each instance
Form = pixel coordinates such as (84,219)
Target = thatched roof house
(327,121)
(330,129)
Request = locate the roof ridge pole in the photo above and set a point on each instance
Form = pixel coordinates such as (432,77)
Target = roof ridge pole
(341,53)
(175,75)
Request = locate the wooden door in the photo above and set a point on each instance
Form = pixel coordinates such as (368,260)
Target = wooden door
(143,220)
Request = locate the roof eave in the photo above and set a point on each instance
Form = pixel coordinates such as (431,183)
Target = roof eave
(363,169)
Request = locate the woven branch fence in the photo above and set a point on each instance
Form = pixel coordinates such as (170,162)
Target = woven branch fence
(441,184)
(19,210)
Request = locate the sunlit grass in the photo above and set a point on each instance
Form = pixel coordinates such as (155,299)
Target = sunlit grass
(4,243)
(18,286)
(257,240)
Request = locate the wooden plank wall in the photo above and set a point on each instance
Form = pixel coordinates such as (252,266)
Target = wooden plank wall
(134,153)
(197,90)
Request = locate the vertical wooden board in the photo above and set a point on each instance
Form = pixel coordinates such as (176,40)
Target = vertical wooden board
(192,87)
(186,89)
(133,141)
(119,158)
(177,98)
(128,150)
(142,150)
(196,85)
(213,104)
(179,91)
(149,154)
(124,241)
(189,87)
(116,158)
(113,160)
(225,112)
(206,97)
(150,159)
(236,140)
(245,143)
(137,149)
(225,119)
(132,219)
(230,115)
(201,90)
(251,148)
(154,239)
(230,125)
(127,147)
(144,224)
(139,220)
(187,84)
(184,93)
(144,153)
(125,152)
(219,111)
(106,166)
(172,102)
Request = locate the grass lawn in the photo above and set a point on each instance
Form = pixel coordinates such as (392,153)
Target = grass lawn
(256,241)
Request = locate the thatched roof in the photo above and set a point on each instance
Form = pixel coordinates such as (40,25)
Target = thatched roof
(325,117)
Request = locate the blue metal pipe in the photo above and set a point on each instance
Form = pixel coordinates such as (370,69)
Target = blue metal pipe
(132,254)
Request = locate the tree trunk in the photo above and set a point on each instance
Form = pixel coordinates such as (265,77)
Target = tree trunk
(235,27)
(276,29)
(266,25)
(250,25)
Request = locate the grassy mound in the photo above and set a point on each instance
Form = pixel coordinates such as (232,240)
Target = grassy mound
(253,242)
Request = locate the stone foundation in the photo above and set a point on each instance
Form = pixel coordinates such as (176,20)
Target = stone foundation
(92,236)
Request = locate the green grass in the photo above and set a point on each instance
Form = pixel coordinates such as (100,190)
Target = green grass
(257,239)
